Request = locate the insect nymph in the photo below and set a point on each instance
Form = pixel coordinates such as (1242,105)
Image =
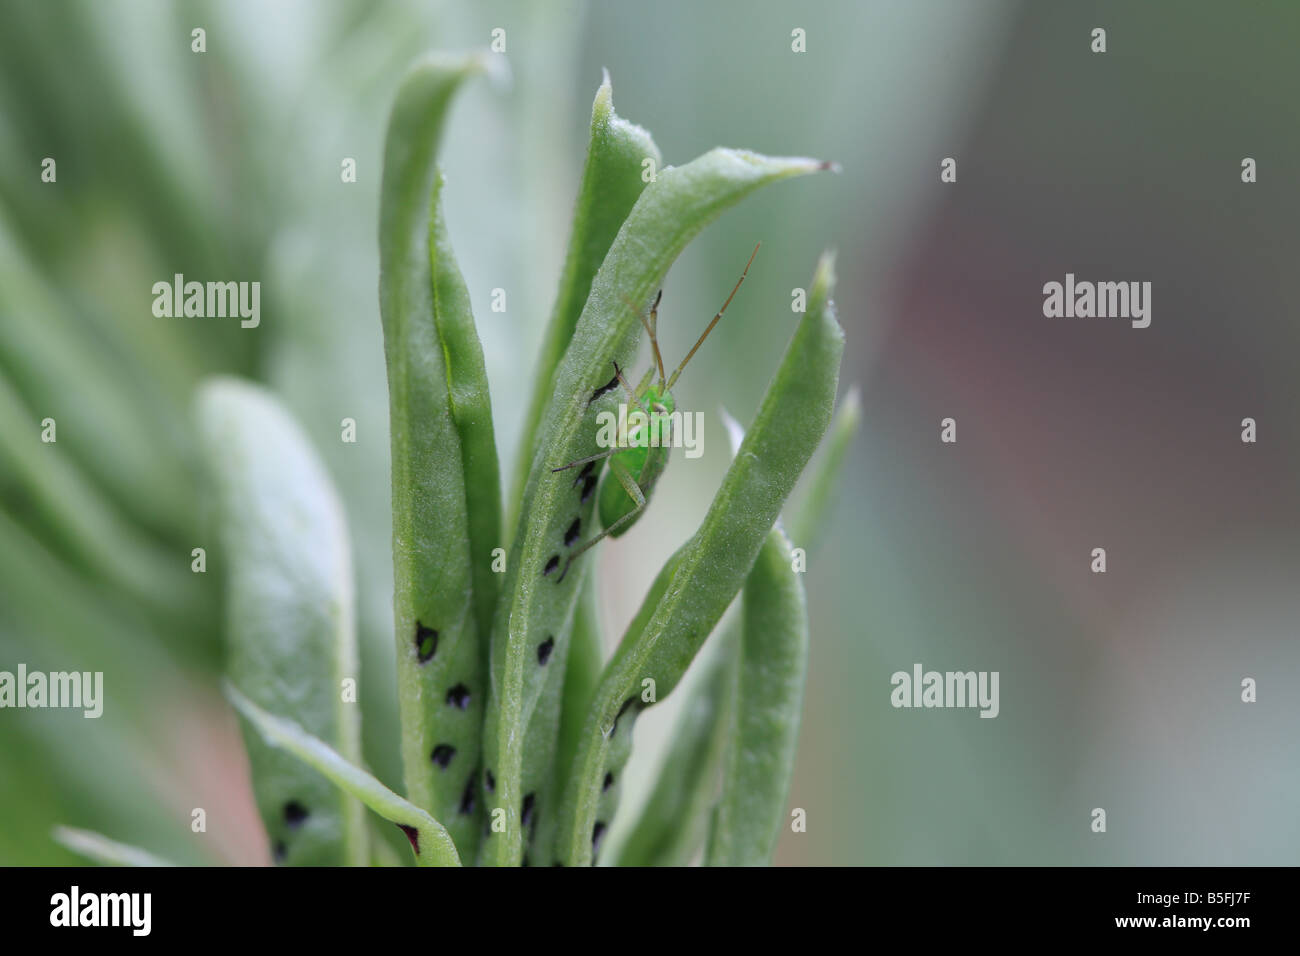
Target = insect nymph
(640,455)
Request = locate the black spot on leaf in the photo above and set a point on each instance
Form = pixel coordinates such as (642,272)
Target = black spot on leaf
(294,814)
(544,650)
(467,795)
(526,813)
(586,470)
(588,486)
(552,564)
(571,535)
(458,697)
(597,833)
(489,781)
(426,642)
(442,755)
(609,782)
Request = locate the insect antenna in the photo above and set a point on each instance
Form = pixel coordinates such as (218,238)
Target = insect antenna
(651,329)
(669,384)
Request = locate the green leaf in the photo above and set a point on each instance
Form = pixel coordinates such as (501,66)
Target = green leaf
(671,823)
(121,436)
(95,846)
(50,492)
(291,634)
(537,601)
(767,705)
(809,518)
(611,183)
(471,409)
(692,592)
(429,839)
(581,672)
(382,853)
(436,396)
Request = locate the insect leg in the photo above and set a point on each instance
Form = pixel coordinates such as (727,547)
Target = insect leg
(619,471)
(631,393)
(582,461)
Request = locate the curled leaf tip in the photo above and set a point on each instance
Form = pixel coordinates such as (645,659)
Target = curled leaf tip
(602,107)
(824,278)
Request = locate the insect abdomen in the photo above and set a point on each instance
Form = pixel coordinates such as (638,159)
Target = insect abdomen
(645,465)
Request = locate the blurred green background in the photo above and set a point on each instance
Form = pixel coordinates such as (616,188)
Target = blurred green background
(1118,691)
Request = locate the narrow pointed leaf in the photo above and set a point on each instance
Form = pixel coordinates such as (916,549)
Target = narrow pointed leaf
(612,180)
(808,521)
(766,710)
(537,600)
(284,551)
(692,592)
(440,683)
(471,410)
(671,823)
(581,673)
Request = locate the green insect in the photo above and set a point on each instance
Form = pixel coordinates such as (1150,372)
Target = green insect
(638,463)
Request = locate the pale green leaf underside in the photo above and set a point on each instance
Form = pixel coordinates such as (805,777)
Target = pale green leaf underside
(284,552)
(432,844)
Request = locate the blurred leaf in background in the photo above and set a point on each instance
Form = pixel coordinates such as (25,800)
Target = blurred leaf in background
(226,165)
